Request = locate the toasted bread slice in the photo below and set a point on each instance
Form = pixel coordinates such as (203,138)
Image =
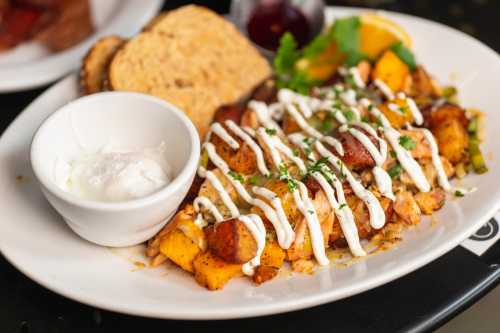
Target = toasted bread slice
(192,58)
(95,63)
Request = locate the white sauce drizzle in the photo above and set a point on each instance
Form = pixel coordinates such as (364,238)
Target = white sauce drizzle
(384,88)
(415,111)
(348,97)
(284,231)
(259,155)
(407,161)
(205,202)
(358,81)
(217,185)
(339,205)
(264,116)
(307,209)
(404,156)
(221,132)
(438,165)
(256,227)
(382,178)
(377,214)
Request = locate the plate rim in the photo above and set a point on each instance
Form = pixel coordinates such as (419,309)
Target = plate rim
(275,307)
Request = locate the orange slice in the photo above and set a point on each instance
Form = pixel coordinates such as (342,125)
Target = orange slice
(377,33)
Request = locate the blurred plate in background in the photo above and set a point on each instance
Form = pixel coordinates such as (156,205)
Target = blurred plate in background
(31,65)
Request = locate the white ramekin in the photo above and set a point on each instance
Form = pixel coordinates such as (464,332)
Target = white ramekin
(125,121)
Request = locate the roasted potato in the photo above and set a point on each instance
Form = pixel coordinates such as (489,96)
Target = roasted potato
(406,208)
(449,126)
(232,112)
(231,241)
(264,273)
(265,92)
(180,249)
(364,69)
(356,156)
(430,201)
(421,149)
(207,190)
(392,70)
(212,272)
(180,241)
(423,84)
(396,118)
(242,160)
(272,255)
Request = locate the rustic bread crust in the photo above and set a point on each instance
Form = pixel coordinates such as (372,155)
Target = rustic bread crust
(192,58)
(95,63)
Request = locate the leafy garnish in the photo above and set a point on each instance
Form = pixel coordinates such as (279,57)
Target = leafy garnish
(284,175)
(395,171)
(236,176)
(349,115)
(270,131)
(252,180)
(284,65)
(346,34)
(393,154)
(406,142)
(405,55)
(342,206)
(318,165)
(459,194)
(286,55)
(403,110)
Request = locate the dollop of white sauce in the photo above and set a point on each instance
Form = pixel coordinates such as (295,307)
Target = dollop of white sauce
(112,176)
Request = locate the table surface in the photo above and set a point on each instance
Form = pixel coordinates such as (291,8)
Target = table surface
(420,301)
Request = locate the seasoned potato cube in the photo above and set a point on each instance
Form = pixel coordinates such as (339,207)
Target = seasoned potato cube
(398,119)
(390,69)
(231,241)
(406,208)
(449,126)
(264,273)
(212,272)
(272,255)
(430,201)
(179,248)
(422,83)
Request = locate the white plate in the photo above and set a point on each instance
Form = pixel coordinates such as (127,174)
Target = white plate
(31,65)
(36,240)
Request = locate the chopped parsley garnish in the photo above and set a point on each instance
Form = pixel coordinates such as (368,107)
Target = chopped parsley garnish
(405,55)
(284,64)
(395,171)
(310,212)
(406,142)
(342,205)
(346,34)
(327,124)
(252,180)
(459,194)
(284,175)
(236,176)
(349,115)
(393,154)
(349,79)
(308,148)
(318,165)
(270,131)
(370,107)
(403,110)
(295,152)
(365,119)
